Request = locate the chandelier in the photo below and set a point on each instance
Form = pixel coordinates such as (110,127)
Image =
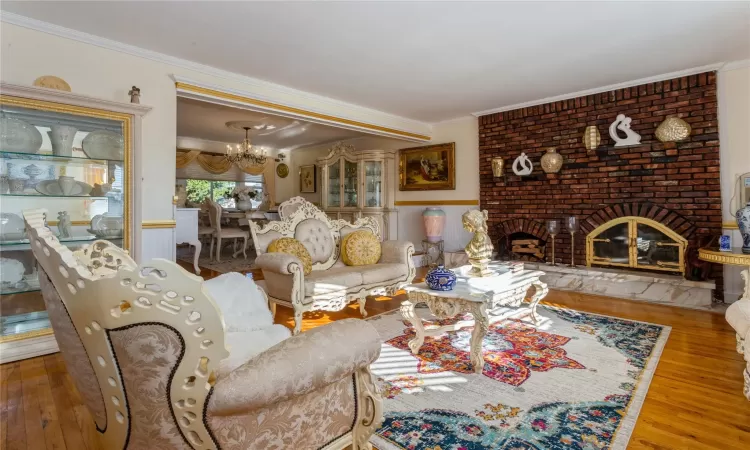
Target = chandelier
(245,153)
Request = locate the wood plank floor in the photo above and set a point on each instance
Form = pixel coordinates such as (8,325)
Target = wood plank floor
(694,402)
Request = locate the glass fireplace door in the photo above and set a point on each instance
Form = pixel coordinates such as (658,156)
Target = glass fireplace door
(656,250)
(636,242)
(611,246)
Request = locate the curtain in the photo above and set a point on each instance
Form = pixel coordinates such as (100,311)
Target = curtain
(213,164)
(217,164)
(185,158)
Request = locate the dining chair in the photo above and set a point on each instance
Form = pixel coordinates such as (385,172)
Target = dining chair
(219,233)
(203,228)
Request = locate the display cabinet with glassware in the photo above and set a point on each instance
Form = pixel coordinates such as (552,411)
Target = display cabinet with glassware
(73,156)
(358,184)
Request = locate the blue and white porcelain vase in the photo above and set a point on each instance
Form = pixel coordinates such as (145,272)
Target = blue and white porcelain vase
(440,279)
(743,222)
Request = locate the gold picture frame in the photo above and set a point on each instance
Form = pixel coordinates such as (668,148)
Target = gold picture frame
(427,168)
(308,179)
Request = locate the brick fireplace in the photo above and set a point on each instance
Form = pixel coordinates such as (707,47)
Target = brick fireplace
(674,184)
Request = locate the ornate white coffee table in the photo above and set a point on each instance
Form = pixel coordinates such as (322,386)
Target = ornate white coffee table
(481,297)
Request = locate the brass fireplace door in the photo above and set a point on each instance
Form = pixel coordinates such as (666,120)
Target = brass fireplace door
(636,242)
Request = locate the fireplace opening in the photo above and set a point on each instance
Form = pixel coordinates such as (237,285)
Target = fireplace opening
(636,242)
(523,246)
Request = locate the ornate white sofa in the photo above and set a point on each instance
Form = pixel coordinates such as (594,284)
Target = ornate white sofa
(332,284)
(146,347)
(738,316)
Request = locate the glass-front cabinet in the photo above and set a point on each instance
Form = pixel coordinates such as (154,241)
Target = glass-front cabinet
(359,183)
(72,156)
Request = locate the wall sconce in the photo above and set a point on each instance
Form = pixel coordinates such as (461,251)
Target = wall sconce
(498,166)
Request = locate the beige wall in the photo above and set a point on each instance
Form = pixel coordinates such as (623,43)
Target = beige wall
(734,139)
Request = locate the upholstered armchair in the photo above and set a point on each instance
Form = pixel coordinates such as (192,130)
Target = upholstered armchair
(146,346)
(738,316)
(332,285)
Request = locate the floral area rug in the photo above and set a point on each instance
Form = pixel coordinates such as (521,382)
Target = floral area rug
(576,381)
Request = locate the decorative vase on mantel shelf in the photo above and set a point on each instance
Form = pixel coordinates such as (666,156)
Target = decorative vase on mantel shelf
(551,161)
(434,223)
(440,279)
(743,222)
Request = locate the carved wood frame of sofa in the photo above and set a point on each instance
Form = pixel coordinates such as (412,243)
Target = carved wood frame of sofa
(326,287)
(143,344)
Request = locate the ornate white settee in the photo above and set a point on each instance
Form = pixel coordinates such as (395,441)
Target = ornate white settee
(332,284)
(146,346)
(738,316)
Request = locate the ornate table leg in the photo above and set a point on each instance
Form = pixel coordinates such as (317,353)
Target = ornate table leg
(197,244)
(481,326)
(540,291)
(407,311)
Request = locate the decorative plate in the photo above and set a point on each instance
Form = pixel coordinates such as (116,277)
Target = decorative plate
(282,170)
(103,144)
(52,82)
(11,227)
(52,187)
(19,136)
(11,271)
(104,224)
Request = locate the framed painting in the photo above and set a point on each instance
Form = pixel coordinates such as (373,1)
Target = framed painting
(308,180)
(428,168)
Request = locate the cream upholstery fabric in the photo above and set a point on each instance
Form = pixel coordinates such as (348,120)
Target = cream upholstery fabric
(275,376)
(261,244)
(244,345)
(395,252)
(307,422)
(333,279)
(317,238)
(74,354)
(292,246)
(380,273)
(738,316)
(242,305)
(146,355)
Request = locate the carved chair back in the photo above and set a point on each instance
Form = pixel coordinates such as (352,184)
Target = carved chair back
(141,342)
(288,207)
(214,215)
(320,234)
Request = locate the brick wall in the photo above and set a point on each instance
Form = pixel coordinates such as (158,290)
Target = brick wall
(677,183)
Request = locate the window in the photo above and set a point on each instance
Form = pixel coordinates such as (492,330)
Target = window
(219,191)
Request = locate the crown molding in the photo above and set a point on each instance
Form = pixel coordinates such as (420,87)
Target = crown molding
(611,87)
(413,126)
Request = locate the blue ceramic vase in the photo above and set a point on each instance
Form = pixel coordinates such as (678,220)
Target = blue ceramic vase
(440,279)
(743,222)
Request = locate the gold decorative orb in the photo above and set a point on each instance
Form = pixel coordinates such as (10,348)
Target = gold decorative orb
(673,129)
(498,165)
(591,138)
(552,161)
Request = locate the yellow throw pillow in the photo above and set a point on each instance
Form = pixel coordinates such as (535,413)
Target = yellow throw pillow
(294,247)
(360,248)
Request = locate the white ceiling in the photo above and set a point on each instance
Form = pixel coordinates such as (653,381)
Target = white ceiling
(207,121)
(428,61)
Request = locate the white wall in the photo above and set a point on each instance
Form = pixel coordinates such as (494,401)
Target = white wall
(465,133)
(100,72)
(734,139)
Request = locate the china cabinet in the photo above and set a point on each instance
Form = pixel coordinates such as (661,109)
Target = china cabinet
(73,156)
(359,184)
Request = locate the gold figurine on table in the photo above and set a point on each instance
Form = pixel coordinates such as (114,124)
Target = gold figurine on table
(479,249)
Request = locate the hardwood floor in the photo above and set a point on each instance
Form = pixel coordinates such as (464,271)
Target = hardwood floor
(694,402)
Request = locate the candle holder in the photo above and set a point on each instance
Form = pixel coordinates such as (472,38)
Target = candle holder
(553,227)
(573,226)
